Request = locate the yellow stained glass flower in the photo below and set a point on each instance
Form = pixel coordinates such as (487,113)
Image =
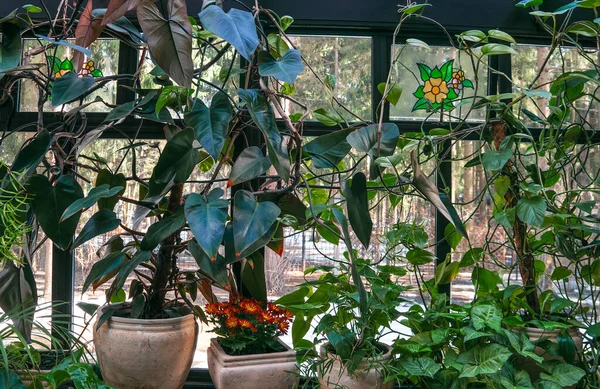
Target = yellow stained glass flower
(459,75)
(436,90)
(61,73)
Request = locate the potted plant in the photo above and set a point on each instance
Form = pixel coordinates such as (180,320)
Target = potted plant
(248,351)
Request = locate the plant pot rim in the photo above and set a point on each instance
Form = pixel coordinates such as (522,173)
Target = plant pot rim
(536,330)
(380,358)
(240,358)
(145,322)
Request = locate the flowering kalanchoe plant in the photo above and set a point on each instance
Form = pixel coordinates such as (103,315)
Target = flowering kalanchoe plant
(248,326)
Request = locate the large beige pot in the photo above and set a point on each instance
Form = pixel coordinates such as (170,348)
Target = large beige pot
(258,371)
(146,354)
(536,334)
(334,374)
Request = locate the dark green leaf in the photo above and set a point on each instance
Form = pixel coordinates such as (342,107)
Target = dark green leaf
(31,155)
(207,222)
(17,298)
(236,27)
(95,194)
(105,177)
(532,210)
(50,202)
(127,269)
(262,115)
(250,164)
(215,271)
(70,87)
(251,220)
(358,208)
(393,94)
(418,256)
(162,229)
(100,223)
(104,268)
(472,257)
(211,124)
(329,118)
(253,276)
(10,49)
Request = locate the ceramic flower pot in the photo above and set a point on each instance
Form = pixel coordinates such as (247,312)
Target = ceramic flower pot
(369,374)
(148,354)
(276,370)
(536,334)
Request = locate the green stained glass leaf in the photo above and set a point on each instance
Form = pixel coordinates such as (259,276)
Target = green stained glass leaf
(96,73)
(451,94)
(468,84)
(436,73)
(419,94)
(66,65)
(54,63)
(446,70)
(425,71)
(420,104)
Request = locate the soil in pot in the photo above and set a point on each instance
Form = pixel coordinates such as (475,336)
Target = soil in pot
(334,375)
(275,370)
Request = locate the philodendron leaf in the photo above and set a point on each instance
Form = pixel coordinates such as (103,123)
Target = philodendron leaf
(17,298)
(207,221)
(211,124)
(100,223)
(251,220)
(28,159)
(253,276)
(95,194)
(367,140)
(162,229)
(70,87)
(117,9)
(105,268)
(532,210)
(250,164)
(486,315)
(126,270)
(358,208)
(483,359)
(431,193)
(106,177)
(328,150)
(10,49)
(421,367)
(50,202)
(169,35)
(286,69)
(236,27)
(176,163)
(263,116)
(563,374)
(215,271)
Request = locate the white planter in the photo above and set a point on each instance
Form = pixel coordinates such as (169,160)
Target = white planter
(148,354)
(368,375)
(257,371)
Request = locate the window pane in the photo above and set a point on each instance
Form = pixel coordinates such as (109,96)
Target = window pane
(407,74)
(348,60)
(105,57)
(525,69)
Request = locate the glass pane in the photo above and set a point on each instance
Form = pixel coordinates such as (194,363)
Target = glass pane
(105,57)
(348,60)
(406,74)
(526,68)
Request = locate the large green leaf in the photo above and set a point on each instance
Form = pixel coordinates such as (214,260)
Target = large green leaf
(251,220)
(250,164)
(253,276)
(106,177)
(421,367)
(211,124)
(50,202)
(418,256)
(207,221)
(162,229)
(327,151)
(95,194)
(10,49)
(16,297)
(486,315)
(70,87)
(366,140)
(176,163)
(236,27)
(358,208)
(10,379)
(563,374)
(31,155)
(215,271)
(532,210)
(483,359)
(169,35)
(100,223)
(262,115)
(105,268)
(286,69)
(126,270)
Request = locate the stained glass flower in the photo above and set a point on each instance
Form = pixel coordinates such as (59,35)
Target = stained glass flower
(435,90)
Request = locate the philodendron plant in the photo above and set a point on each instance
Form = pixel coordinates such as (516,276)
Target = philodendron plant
(210,193)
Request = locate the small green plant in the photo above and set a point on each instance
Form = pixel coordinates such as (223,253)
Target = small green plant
(13,211)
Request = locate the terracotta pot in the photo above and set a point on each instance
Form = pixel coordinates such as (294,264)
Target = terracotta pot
(148,354)
(536,334)
(368,375)
(257,371)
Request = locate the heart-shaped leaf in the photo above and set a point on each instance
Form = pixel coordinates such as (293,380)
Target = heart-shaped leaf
(100,223)
(250,164)
(286,69)
(215,271)
(50,202)
(532,210)
(91,199)
(211,124)
(251,220)
(106,177)
(207,222)
(31,155)
(366,140)
(162,229)
(69,87)
(176,163)
(262,115)
(328,150)
(358,208)
(236,27)
(105,268)
(169,37)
